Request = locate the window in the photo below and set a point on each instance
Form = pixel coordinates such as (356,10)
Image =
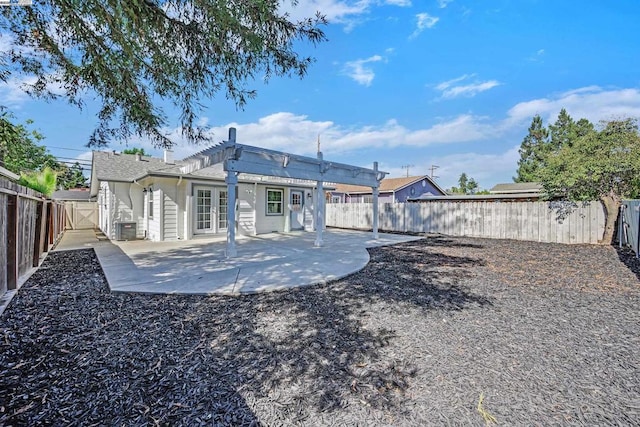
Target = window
(367,199)
(274,201)
(150,195)
(223,203)
(335,199)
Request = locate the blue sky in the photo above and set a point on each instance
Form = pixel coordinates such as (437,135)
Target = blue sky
(452,83)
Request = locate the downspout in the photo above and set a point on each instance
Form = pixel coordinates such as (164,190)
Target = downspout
(255,208)
(177,207)
(146,228)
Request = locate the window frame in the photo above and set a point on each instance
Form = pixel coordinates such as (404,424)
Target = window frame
(277,203)
(150,202)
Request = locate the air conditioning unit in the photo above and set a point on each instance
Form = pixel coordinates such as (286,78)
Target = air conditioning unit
(125,230)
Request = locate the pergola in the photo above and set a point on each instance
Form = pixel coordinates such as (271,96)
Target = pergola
(241,158)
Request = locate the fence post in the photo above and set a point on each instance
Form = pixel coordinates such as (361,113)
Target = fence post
(12,242)
(621,226)
(638,234)
(37,243)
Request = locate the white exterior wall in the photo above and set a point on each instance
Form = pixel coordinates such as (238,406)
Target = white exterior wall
(246,209)
(169,209)
(173,210)
(120,202)
(281,223)
(269,223)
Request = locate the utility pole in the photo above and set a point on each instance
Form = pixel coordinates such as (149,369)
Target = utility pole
(407,168)
(432,169)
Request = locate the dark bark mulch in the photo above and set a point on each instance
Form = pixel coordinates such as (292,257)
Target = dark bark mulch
(432,332)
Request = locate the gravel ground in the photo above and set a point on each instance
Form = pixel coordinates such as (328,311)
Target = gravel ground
(433,332)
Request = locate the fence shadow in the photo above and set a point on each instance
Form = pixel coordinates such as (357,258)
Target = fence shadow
(628,257)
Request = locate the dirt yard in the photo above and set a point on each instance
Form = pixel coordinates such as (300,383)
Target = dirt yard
(433,332)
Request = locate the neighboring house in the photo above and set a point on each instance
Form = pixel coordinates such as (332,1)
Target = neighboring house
(391,190)
(530,189)
(72,195)
(509,192)
(164,201)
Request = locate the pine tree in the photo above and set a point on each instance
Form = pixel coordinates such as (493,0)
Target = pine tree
(533,149)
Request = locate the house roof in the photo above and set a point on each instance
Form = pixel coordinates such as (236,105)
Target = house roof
(118,167)
(387,185)
(517,187)
(110,166)
(81,195)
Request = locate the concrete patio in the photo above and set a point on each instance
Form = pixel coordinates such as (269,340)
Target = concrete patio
(264,263)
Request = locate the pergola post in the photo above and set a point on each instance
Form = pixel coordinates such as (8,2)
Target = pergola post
(319,221)
(232,181)
(376,191)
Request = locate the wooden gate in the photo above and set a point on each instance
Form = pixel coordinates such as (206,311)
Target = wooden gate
(81,215)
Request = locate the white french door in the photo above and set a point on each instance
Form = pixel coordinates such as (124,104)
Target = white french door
(211,209)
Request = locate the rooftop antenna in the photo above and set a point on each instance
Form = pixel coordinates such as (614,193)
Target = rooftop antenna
(407,168)
(432,169)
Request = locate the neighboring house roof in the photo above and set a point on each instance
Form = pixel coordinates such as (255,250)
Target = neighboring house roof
(8,174)
(387,185)
(79,195)
(517,187)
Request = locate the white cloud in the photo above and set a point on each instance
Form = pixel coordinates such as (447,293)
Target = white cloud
(537,56)
(591,102)
(444,3)
(12,93)
(346,12)
(401,3)
(451,88)
(424,21)
(298,134)
(360,72)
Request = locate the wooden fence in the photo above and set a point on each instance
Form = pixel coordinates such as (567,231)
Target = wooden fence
(29,226)
(534,221)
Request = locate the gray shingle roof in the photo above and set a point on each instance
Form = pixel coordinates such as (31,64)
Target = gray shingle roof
(517,187)
(110,166)
(77,195)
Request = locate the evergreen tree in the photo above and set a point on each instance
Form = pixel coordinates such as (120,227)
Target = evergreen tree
(134,150)
(466,185)
(532,152)
(134,54)
(563,132)
(71,177)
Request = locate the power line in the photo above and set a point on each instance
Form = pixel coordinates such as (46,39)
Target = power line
(74,159)
(70,149)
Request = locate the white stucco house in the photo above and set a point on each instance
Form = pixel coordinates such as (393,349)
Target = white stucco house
(167,203)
